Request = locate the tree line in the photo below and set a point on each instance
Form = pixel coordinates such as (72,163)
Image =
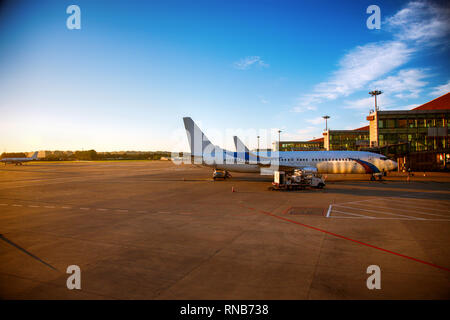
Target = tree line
(92,155)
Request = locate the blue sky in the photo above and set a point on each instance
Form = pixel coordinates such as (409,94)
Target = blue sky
(134,69)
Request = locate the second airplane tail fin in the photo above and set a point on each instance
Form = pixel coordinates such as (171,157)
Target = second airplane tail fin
(35,155)
(239,145)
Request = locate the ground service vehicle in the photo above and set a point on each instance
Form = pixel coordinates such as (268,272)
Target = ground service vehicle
(297,180)
(221,174)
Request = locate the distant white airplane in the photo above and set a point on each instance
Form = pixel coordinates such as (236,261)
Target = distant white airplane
(205,153)
(18,161)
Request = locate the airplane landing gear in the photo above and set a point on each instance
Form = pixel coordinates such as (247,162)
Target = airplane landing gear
(375,175)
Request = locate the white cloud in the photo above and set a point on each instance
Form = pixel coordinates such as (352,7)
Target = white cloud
(357,68)
(406,83)
(263,100)
(411,95)
(358,125)
(383,101)
(365,103)
(441,90)
(247,62)
(407,107)
(316,120)
(300,108)
(421,21)
(306,133)
(362,124)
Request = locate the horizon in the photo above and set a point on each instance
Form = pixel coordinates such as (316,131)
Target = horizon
(125,80)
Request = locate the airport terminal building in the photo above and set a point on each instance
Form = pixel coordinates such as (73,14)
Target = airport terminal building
(416,139)
(311,145)
(353,140)
(356,140)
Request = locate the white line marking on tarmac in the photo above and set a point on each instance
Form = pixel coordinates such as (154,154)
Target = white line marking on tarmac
(342,217)
(17,205)
(50,207)
(375,218)
(381,212)
(66,207)
(399,199)
(411,196)
(414,196)
(357,201)
(329,210)
(427,208)
(412,211)
(32,206)
(85,208)
(354,214)
(101,209)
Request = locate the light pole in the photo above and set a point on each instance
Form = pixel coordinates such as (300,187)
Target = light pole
(326,122)
(375,93)
(279,139)
(258,144)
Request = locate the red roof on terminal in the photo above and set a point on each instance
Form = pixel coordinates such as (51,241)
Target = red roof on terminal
(442,102)
(362,128)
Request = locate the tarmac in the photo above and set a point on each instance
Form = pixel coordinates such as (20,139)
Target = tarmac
(156,230)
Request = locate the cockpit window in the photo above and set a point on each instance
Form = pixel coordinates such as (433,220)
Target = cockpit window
(383,158)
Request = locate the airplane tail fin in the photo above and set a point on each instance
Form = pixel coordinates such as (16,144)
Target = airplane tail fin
(198,141)
(35,155)
(239,145)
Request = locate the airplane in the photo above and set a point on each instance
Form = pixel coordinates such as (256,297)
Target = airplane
(205,153)
(18,161)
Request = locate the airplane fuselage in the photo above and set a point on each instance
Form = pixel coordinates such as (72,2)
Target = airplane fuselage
(16,161)
(348,162)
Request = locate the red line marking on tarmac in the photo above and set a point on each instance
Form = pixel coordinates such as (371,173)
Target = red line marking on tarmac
(349,239)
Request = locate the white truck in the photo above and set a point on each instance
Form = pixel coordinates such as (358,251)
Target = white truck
(297,180)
